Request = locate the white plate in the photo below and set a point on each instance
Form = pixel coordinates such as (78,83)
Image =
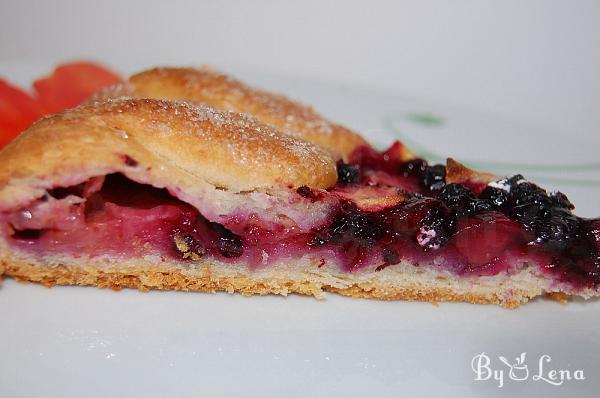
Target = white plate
(72,342)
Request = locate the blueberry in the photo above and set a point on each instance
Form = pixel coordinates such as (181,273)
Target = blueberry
(529,204)
(348,173)
(230,246)
(317,240)
(434,227)
(462,203)
(515,180)
(186,245)
(304,191)
(560,226)
(360,226)
(434,177)
(228,243)
(528,213)
(550,219)
(528,193)
(497,197)
(480,206)
(456,195)
(351,224)
(559,199)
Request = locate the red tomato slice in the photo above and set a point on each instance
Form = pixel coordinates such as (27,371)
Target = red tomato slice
(71,84)
(68,86)
(17,111)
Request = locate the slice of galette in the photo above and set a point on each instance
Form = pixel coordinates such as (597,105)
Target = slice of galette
(158,194)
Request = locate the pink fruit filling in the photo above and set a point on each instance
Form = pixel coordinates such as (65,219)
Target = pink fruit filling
(386,211)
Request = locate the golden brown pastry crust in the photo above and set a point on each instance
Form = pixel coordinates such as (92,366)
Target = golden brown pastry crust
(458,173)
(302,279)
(224,92)
(184,144)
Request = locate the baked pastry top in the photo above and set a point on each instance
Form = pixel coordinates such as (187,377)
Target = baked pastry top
(225,149)
(221,91)
(173,194)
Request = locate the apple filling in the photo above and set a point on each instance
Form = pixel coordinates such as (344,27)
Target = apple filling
(384,211)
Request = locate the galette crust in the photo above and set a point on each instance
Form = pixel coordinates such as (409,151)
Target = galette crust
(163,143)
(399,282)
(458,173)
(221,91)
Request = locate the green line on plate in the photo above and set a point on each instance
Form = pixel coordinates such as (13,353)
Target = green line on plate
(427,119)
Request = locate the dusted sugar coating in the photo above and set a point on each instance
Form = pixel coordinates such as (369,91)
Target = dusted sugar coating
(224,92)
(223,149)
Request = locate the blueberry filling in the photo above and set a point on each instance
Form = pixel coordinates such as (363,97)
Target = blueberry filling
(437,222)
(123,217)
(542,223)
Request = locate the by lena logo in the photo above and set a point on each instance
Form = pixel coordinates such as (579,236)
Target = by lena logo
(519,370)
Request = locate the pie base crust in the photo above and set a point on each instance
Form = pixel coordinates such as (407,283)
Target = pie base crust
(398,282)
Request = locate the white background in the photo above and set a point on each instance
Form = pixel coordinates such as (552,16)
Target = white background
(533,61)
